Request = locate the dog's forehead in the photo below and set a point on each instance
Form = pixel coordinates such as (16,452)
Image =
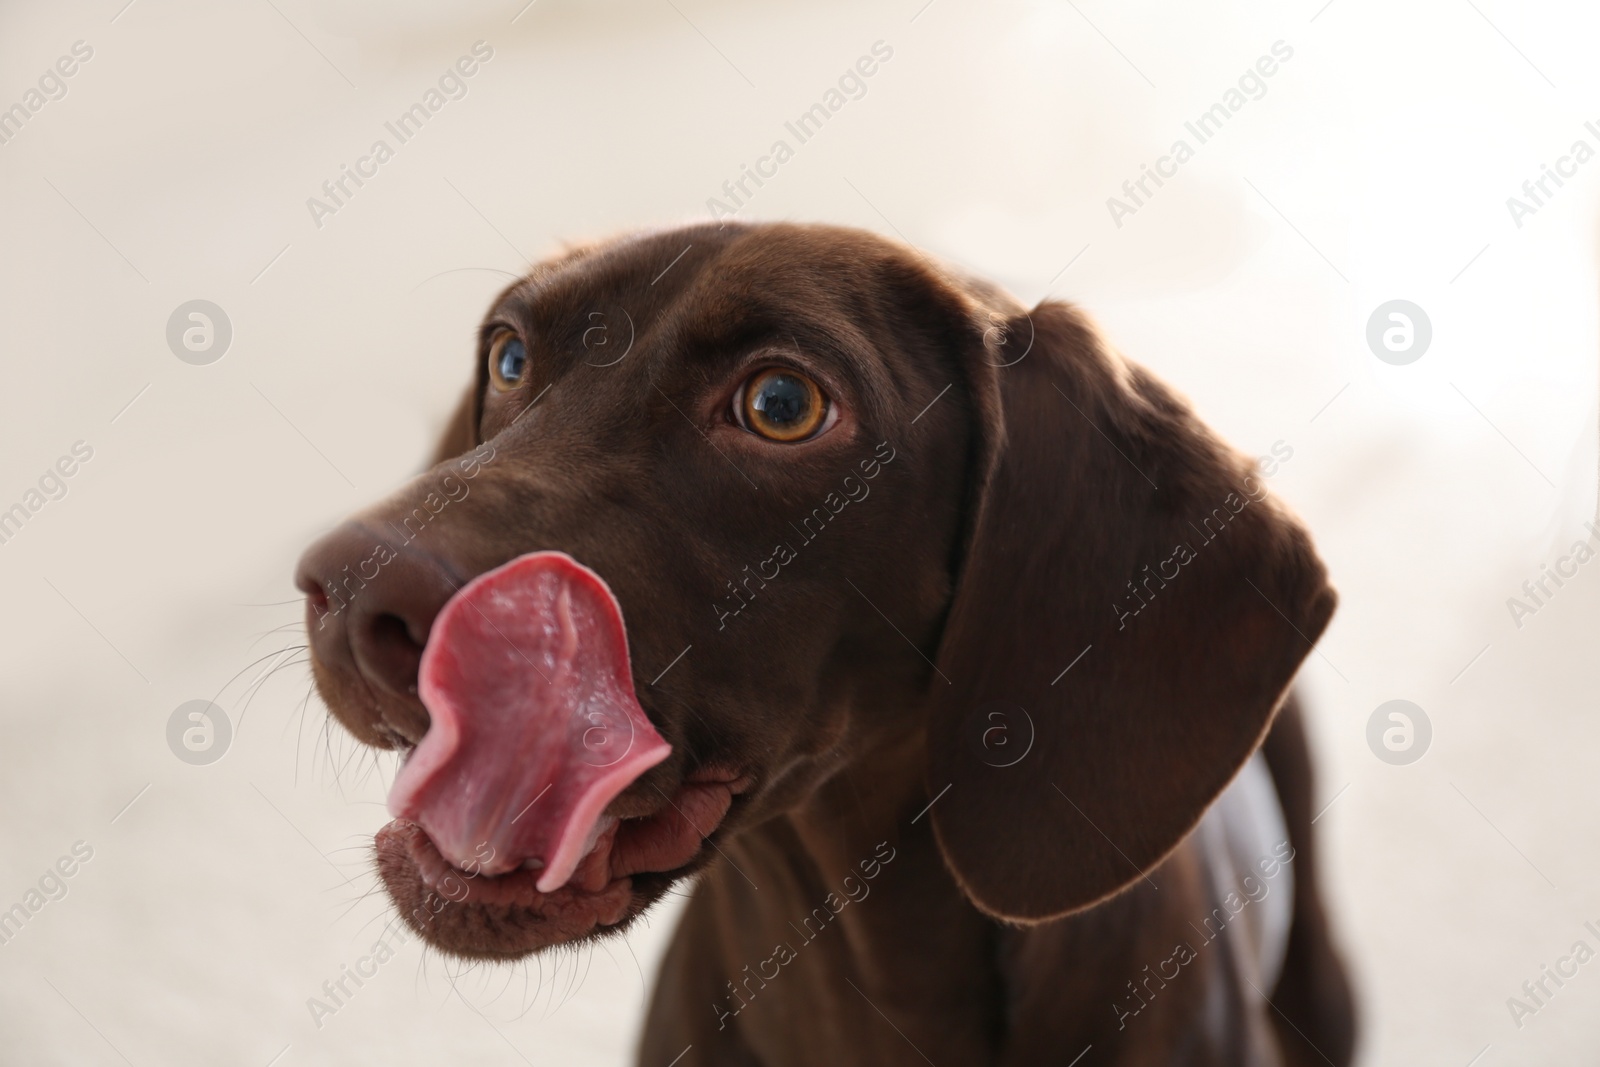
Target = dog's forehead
(713,278)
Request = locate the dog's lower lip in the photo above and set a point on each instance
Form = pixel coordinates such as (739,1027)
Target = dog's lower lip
(451,882)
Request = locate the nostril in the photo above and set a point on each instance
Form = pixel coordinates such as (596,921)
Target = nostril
(392,629)
(413,631)
(392,653)
(308,583)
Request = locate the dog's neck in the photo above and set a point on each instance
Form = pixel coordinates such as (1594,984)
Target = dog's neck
(852,884)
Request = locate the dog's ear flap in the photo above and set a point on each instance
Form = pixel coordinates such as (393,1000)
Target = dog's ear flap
(460,432)
(1129,613)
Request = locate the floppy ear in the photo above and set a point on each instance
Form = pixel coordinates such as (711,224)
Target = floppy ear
(1114,533)
(461,432)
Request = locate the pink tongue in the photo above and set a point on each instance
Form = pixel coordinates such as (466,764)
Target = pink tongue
(535,724)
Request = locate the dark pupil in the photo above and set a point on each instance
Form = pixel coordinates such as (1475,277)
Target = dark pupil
(783,400)
(513,357)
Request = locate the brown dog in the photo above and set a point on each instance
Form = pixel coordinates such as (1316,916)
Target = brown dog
(954,627)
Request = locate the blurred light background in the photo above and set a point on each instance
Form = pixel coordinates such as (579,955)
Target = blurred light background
(176,162)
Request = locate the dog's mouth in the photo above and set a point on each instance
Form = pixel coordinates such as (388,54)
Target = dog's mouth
(507,916)
(512,831)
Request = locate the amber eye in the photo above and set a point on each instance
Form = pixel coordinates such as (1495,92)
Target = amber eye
(508,361)
(782,405)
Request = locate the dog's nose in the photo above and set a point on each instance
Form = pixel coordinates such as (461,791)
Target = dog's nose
(369,607)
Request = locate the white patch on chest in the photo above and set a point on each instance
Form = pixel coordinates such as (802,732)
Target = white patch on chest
(1249,860)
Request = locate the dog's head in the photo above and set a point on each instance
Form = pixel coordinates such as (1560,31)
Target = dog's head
(841,500)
